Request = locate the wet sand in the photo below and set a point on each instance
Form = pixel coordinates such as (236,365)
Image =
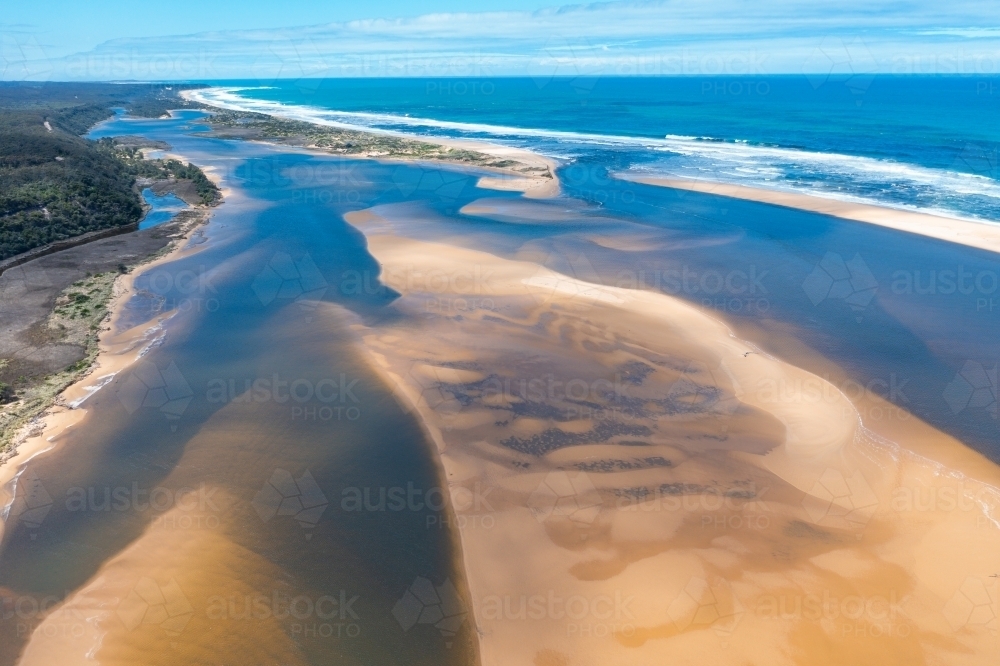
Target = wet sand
(985,235)
(533,187)
(119,349)
(630,483)
(634,483)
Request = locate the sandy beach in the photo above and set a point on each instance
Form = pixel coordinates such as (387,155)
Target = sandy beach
(534,187)
(632,480)
(521,171)
(984,235)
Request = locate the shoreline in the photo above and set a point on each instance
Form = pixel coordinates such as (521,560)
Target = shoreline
(637,548)
(983,236)
(117,351)
(507,178)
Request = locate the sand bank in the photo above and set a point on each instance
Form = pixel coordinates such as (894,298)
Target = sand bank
(165,598)
(634,483)
(982,235)
(542,186)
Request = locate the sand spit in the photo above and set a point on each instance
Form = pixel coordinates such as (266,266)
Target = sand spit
(541,186)
(633,483)
(515,169)
(982,235)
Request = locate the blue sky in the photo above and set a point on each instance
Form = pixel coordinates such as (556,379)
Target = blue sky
(215,39)
(68,26)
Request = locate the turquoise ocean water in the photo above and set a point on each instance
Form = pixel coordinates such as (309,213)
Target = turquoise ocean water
(917,316)
(915,142)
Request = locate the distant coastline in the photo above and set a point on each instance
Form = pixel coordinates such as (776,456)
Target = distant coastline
(515,169)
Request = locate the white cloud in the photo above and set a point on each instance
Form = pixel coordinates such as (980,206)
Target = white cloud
(672,37)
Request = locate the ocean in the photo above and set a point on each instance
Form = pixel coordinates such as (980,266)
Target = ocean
(922,313)
(927,143)
(262,395)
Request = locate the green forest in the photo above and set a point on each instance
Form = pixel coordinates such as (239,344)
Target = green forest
(53,183)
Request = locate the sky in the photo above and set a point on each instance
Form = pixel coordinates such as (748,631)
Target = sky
(264,41)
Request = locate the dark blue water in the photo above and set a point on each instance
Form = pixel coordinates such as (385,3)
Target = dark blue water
(919,314)
(926,143)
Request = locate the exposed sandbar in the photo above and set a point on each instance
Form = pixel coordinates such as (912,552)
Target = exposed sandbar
(982,235)
(698,500)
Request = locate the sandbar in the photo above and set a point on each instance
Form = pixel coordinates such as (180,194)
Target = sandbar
(981,235)
(632,482)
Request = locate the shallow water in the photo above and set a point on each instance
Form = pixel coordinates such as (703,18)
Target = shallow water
(163,208)
(250,387)
(255,385)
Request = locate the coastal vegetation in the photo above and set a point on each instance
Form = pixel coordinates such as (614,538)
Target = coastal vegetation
(140,167)
(56,185)
(348,142)
(75,320)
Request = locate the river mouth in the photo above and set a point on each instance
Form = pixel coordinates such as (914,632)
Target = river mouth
(250,490)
